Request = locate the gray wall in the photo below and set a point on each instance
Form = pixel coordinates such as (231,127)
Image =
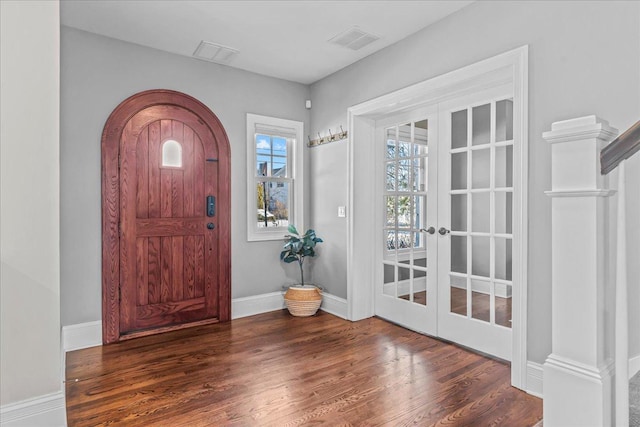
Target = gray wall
(584,58)
(97,74)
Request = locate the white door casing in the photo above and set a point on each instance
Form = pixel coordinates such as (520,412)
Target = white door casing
(507,68)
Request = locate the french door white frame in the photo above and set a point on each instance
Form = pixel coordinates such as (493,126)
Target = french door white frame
(509,67)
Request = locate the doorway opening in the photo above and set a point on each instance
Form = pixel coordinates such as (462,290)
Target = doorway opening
(434,100)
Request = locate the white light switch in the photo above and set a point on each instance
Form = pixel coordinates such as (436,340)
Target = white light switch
(341,211)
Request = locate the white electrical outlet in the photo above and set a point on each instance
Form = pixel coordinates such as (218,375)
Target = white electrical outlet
(342,211)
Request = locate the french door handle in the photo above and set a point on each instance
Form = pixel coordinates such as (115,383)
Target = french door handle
(429,230)
(444,231)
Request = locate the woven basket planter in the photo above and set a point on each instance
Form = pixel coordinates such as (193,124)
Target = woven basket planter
(303,301)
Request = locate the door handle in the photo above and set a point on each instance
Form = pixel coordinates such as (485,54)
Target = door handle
(210,226)
(444,231)
(211,206)
(429,230)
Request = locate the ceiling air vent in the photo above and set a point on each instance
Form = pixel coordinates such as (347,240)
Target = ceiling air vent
(215,52)
(354,39)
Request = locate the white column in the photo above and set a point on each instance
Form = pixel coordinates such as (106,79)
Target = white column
(578,372)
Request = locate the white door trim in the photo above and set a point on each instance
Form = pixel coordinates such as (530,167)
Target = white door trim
(511,66)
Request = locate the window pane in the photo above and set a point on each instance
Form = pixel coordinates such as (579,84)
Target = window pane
(391,143)
(459,254)
(391,176)
(458,295)
(504,166)
(419,175)
(504,212)
(459,212)
(459,129)
(404,211)
(503,304)
(504,120)
(403,174)
(271,156)
(390,202)
(459,171)
(481,133)
(480,212)
(481,253)
(272,203)
(172,154)
(503,258)
(420,138)
(481,300)
(419,211)
(480,168)
(404,140)
(404,239)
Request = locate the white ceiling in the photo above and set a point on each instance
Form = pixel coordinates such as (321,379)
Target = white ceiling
(284,39)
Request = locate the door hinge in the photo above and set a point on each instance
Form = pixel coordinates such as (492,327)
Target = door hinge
(119,294)
(119,161)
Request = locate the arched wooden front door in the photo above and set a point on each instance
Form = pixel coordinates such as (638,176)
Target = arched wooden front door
(165,216)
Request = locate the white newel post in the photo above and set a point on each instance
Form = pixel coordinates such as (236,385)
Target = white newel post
(578,372)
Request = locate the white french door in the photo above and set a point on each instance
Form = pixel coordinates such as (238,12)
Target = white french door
(406,288)
(447,203)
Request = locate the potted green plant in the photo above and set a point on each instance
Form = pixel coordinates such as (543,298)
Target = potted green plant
(301,300)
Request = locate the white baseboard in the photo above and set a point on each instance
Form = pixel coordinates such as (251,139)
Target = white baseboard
(334,305)
(535,376)
(82,335)
(634,366)
(48,410)
(256,304)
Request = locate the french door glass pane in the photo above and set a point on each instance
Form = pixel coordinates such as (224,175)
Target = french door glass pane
(459,171)
(458,297)
(458,212)
(503,305)
(459,254)
(504,212)
(481,212)
(481,126)
(503,259)
(480,300)
(390,176)
(390,204)
(481,168)
(480,256)
(504,166)
(504,120)
(459,129)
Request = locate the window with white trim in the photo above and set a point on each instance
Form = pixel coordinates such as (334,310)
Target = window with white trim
(274,176)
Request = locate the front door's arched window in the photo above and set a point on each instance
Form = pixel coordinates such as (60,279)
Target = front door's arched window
(171,154)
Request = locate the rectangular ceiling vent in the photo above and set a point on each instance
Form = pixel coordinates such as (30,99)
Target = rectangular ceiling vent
(215,52)
(354,39)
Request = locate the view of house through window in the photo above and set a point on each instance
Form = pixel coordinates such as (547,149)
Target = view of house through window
(273,183)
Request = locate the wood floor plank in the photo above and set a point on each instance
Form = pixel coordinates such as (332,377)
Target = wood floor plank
(277,370)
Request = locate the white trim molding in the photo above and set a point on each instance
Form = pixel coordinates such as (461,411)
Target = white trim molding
(535,379)
(334,305)
(81,335)
(256,304)
(47,410)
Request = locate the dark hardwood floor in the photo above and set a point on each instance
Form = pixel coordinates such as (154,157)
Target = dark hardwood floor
(277,370)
